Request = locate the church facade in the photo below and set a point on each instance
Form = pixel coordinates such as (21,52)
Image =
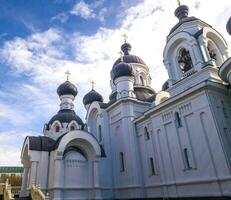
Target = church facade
(141,144)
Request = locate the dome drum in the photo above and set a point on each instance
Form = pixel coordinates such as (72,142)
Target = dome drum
(66,116)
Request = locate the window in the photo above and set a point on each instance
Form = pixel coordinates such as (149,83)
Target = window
(228,137)
(187,162)
(178,120)
(72,128)
(212,53)
(224,109)
(184,60)
(100,133)
(146,134)
(57,129)
(152,167)
(121,161)
(141,80)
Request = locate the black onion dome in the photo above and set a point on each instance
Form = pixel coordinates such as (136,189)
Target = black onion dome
(228,26)
(126,48)
(67,88)
(66,116)
(130,59)
(165,86)
(182,14)
(121,69)
(91,97)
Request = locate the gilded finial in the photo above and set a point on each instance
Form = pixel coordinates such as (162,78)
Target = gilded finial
(125,37)
(67,74)
(121,56)
(179,3)
(92,85)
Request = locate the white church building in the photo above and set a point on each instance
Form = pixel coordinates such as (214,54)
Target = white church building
(174,144)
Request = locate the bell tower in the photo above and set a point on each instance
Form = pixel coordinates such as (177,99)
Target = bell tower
(192,45)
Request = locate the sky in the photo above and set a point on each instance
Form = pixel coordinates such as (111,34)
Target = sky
(40,40)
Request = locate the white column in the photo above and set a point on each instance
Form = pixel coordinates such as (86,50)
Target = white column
(197,55)
(96,173)
(58,179)
(33,173)
(204,50)
(96,179)
(23,191)
(58,173)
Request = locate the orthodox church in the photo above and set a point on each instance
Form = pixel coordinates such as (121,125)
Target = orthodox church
(174,144)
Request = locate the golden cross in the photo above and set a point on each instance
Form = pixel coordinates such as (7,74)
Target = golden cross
(178,1)
(68,74)
(121,56)
(92,84)
(125,37)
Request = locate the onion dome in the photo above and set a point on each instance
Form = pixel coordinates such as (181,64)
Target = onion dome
(127,58)
(165,86)
(121,69)
(67,88)
(228,26)
(91,97)
(182,14)
(66,116)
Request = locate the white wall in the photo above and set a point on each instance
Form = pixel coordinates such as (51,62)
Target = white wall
(199,135)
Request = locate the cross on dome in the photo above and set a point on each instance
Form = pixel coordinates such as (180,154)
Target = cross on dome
(179,3)
(125,37)
(67,74)
(92,84)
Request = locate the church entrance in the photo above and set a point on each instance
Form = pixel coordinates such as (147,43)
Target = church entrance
(76,168)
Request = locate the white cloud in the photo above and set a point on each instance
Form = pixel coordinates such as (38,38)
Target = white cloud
(12,116)
(83,10)
(62,17)
(101,14)
(45,56)
(10,150)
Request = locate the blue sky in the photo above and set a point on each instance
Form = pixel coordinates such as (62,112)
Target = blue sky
(42,39)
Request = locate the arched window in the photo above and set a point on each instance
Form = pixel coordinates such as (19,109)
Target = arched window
(214,52)
(146,133)
(72,128)
(141,80)
(122,167)
(57,128)
(224,109)
(184,60)
(178,120)
(187,159)
(152,167)
(211,51)
(100,133)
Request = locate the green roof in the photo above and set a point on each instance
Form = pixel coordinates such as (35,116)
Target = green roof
(8,169)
